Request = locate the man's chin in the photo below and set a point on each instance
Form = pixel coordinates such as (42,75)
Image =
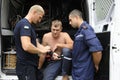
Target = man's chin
(74,26)
(55,36)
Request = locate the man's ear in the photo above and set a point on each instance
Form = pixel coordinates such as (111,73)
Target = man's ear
(61,28)
(77,17)
(34,11)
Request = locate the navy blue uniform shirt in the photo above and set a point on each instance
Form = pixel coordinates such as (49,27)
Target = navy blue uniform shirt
(85,43)
(24,28)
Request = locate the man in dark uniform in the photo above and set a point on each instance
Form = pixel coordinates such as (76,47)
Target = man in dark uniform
(27,46)
(86,45)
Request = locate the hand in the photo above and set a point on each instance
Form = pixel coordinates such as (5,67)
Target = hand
(56,47)
(55,56)
(96,67)
(46,49)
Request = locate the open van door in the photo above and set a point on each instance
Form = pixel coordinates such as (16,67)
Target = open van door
(104,17)
(0,39)
(101,14)
(115,44)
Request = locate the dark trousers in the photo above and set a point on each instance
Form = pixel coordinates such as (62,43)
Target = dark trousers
(66,61)
(55,67)
(52,70)
(26,72)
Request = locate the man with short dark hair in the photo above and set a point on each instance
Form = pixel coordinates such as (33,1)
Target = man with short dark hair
(86,48)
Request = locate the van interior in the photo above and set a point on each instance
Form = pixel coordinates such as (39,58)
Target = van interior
(14,10)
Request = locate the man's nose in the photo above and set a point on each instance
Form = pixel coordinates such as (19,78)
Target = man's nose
(70,23)
(39,20)
(55,31)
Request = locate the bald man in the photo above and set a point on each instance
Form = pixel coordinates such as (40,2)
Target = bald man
(27,46)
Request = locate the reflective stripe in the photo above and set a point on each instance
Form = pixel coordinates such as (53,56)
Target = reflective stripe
(26,77)
(67,58)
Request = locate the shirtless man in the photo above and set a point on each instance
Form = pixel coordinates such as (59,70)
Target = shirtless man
(61,44)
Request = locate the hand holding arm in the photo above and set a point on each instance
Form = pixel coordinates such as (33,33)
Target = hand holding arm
(29,47)
(55,56)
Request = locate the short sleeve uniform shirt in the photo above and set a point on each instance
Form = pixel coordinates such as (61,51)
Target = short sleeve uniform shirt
(85,42)
(24,28)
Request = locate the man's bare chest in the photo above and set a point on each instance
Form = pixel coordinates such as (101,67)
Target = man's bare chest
(52,42)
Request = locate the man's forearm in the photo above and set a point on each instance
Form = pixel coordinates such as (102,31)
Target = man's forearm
(97,58)
(65,46)
(32,49)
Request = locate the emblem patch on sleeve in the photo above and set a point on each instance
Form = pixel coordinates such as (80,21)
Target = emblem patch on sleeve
(26,27)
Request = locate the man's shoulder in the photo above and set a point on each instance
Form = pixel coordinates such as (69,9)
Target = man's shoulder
(47,37)
(64,33)
(84,27)
(22,22)
(47,34)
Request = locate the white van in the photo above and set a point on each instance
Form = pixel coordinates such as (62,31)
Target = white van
(103,15)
